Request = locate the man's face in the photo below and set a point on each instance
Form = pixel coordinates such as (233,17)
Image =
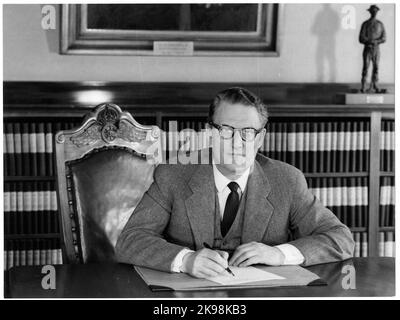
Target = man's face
(235,155)
(373,12)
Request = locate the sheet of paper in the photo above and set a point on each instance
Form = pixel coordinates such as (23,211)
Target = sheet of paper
(243,275)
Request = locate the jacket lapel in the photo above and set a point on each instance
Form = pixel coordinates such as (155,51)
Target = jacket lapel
(200,205)
(258,209)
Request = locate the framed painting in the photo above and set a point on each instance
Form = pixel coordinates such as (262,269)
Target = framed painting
(171,29)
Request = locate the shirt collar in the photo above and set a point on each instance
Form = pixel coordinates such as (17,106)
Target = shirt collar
(221,181)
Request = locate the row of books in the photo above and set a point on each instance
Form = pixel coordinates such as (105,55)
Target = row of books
(347,198)
(387,145)
(387,202)
(361,244)
(30,208)
(327,146)
(32,252)
(387,244)
(29,146)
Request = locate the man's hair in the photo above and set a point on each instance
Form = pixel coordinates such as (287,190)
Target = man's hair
(239,95)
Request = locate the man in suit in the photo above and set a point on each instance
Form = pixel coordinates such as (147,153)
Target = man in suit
(250,209)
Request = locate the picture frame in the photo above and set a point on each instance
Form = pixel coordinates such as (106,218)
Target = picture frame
(86,30)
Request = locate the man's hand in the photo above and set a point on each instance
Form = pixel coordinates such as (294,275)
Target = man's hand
(205,263)
(256,252)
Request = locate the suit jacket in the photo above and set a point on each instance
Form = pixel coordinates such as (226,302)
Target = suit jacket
(178,211)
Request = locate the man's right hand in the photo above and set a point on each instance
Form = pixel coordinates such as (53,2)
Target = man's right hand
(205,263)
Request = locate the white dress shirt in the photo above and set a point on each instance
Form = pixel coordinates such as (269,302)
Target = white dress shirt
(292,255)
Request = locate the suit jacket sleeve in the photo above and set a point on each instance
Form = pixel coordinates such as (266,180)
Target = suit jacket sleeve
(319,235)
(141,242)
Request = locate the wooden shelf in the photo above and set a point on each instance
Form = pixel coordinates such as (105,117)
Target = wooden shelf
(28,178)
(387,228)
(359,229)
(32,236)
(336,175)
(387,174)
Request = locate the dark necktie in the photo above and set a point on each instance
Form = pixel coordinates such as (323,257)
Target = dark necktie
(231,207)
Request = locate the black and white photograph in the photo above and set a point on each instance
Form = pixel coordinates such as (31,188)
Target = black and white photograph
(210,153)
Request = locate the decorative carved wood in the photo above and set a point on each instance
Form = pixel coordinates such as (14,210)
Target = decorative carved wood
(106,127)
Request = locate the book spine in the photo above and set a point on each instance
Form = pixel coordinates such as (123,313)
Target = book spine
(347,146)
(341,146)
(7,208)
(357,245)
(306,152)
(321,146)
(41,202)
(328,147)
(365,201)
(10,155)
(284,141)
(18,149)
(22,259)
(364,244)
(27,194)
(54,258)
(336,197)
(334,164)
(47,208)
(20,208)
(13,208)
(314,147)
(330,194)
(345,202)
(10,254)
(36,253)
(323,191)
(352,201)
(360,147)
(353,146)
(35,208)
(41,149)
(33,149)
(392,202)
(278,141)
(392,146)
(389,244)
(359,203)
(29,253)
(49,149)
(25,150)
(367,134)
(300,145)
(388,146)
(43,251)
(292,143)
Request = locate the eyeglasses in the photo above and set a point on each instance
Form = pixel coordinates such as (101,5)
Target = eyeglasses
(227,132)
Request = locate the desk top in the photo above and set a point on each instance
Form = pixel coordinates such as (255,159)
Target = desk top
(373,277)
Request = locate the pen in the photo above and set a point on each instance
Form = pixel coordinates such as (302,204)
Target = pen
(205,244)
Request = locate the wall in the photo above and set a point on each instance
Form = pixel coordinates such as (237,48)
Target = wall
(315,48)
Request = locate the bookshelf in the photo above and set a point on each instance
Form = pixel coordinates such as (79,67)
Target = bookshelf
(37,110)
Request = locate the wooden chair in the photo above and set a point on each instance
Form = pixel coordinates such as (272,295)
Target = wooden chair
(103,169)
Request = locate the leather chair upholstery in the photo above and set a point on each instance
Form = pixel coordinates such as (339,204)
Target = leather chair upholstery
(102,172)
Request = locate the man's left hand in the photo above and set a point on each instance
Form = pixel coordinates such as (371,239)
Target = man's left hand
(256,253)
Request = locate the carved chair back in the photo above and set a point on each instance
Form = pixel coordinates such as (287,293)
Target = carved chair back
(103,169)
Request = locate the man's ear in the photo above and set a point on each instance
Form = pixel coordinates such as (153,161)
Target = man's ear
(261,137)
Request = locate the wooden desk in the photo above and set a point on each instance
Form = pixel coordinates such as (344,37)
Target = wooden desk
(374,277)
